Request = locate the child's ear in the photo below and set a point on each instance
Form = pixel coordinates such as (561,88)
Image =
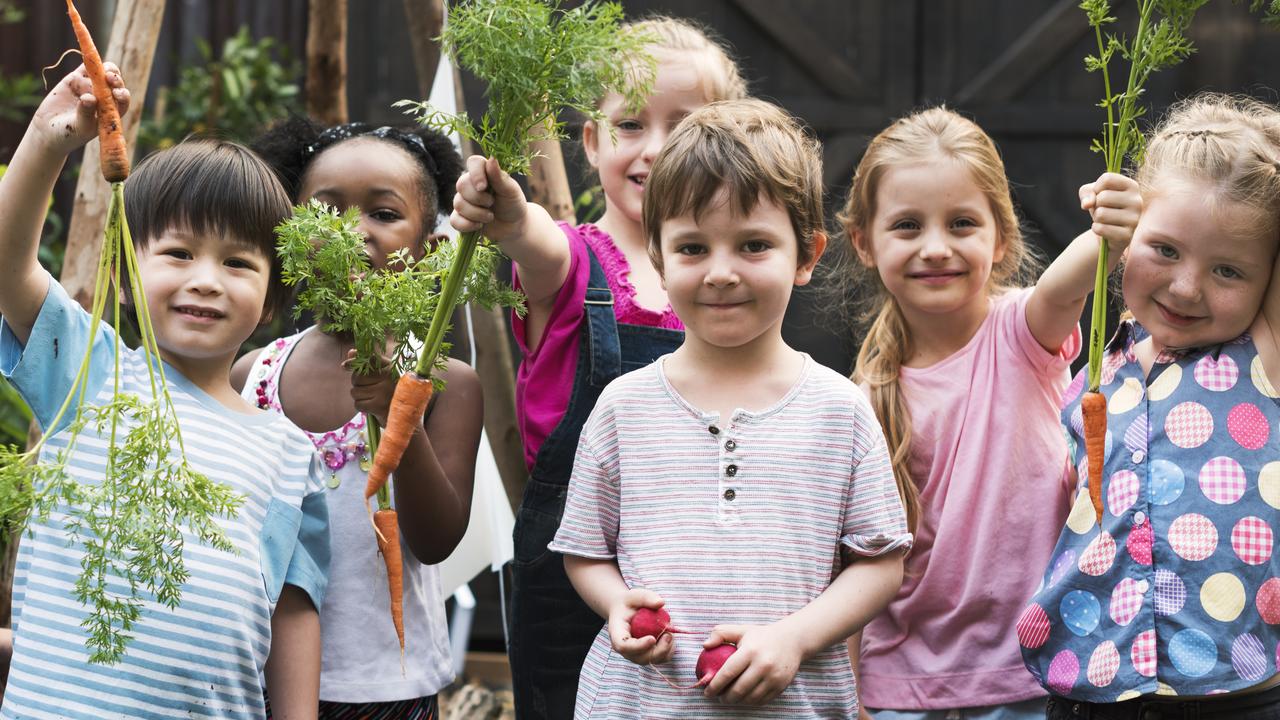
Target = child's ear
(268,313)
(590,140)
(862,247)
(804,273)
(998,255)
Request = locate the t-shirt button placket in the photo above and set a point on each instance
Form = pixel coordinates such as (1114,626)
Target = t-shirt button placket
(731,469)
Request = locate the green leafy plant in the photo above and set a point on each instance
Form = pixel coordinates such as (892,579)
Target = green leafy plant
(1271,14)
(589,206)
(19,93)
(1159,42)
(538,59)
(10,13)
(237,95)
(323,253)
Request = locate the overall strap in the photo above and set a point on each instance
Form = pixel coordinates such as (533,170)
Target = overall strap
(599,362)
(604,354)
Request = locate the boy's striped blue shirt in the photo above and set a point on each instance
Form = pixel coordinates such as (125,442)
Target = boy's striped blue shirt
(205,658)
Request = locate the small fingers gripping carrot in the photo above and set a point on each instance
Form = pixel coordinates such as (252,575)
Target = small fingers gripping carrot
(1093,409)
(114,154)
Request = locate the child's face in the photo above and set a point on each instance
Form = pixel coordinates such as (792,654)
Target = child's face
(1189,279)
(206,293)
(728,276)
(383,181)
(933,238)
(623,162)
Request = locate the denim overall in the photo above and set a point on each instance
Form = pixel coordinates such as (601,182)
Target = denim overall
(551,627)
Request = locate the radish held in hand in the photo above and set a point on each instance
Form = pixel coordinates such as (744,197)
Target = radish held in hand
(711,660)
(648,622)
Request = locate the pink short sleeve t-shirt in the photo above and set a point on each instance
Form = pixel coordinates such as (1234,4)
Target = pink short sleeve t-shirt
(990,459)
(550,366)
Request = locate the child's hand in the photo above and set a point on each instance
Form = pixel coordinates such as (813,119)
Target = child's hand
(488,201)
(764,664)
(1114,203)
(372,392)
(68,116)
(641,651)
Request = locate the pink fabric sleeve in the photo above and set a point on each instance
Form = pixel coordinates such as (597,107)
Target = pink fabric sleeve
(1012,324)
(545,377)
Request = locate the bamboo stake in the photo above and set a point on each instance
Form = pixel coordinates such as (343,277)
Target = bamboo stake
(425,20)
(327,61)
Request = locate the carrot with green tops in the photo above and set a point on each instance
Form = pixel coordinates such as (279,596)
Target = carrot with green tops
(389,545)
(1093,408)
(114,154)
(1160,41)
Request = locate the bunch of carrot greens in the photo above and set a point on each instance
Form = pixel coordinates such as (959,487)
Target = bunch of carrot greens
(1159,42)
(538,59)
(132,524)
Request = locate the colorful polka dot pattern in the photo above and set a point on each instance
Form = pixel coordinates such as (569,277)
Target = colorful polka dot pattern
(1178,591)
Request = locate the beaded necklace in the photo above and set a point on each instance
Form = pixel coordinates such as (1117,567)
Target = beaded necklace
(335,448)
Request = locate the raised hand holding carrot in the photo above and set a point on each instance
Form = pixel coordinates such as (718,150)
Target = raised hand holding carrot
(1114,203)
(68,117)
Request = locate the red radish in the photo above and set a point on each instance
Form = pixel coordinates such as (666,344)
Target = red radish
(711,660)
(652,623)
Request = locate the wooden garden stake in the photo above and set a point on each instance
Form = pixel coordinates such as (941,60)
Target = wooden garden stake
(327,61)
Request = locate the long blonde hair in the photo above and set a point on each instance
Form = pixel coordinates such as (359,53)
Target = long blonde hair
(926,136)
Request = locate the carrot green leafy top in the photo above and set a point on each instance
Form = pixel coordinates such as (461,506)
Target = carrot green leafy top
(537,60)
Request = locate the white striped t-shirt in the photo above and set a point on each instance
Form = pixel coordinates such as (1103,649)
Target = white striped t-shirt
(204,659)
(735,520)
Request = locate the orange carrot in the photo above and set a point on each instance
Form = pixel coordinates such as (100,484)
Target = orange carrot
(1093,407)
(413,392)
(389,545)
(114,157)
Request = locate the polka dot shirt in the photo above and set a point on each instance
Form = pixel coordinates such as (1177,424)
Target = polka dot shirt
(1178,591)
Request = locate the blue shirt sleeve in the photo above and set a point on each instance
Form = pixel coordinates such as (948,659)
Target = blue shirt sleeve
(309,566)
(44,371)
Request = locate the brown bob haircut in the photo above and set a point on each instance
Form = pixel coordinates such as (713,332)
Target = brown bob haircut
(210,186)
(745,149)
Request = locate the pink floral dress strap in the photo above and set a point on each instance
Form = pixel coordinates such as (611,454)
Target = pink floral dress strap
(334,448)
